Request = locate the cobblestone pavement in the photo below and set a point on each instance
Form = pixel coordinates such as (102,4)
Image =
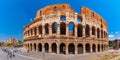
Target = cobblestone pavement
(52,56)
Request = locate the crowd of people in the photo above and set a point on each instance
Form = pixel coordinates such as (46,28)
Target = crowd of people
(10,53)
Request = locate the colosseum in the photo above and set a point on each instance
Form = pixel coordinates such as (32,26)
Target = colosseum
(59,29)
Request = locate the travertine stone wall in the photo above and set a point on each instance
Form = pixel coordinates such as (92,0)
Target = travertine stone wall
(90,34)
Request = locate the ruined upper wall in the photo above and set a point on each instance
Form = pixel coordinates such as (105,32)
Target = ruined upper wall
(62,9)
(54,9)
(94,15)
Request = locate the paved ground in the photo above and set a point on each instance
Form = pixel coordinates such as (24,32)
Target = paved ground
(3,56)
(52,56)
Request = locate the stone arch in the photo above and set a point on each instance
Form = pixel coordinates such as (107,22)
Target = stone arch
(62,48)
(62,28)
(71,48)
(54,47)
(80,48)
(28,33)
(71,28)
(54,27)
(79,18)
(98,48)
(102,47)
(94,48)
(87,46)
(101,33)
(30,46)
(63,18)
(79,30)
(87,30)
(46,47)
(40,29)
(46,28)
(98,33)
(34,46)
(40,47)
(93,30)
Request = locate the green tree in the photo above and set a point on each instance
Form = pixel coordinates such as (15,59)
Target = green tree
(111,44)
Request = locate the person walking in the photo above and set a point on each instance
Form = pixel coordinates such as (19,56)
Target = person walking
(9,56)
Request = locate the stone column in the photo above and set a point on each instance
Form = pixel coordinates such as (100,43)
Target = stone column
(91,48)
(75,30)
(50,50)
(33,47)
(96,33)
(58,51)
(76,49)
(43,49)
(96,48)
(43,31)
(100,34)
(84,50)
(83,33)
(66,49)
(50,30)
(33,32)
(37,47)
(38,32)
(58,32)
(90,31)
(67,30)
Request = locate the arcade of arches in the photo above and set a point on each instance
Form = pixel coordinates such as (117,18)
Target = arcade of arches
(66,32)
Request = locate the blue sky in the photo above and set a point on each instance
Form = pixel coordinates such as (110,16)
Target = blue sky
(14,14)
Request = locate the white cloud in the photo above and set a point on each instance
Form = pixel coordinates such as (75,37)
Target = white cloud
(116,32)
(30,19)
(111,36)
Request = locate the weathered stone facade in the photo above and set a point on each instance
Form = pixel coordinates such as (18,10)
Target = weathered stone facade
(50,31)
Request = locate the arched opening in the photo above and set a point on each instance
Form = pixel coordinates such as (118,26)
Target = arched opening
(46,46)
(98,33)
(87,46)
(34,47)
(54,48)
(79,19)
(93,30)
(54,27)
(101,33)
(79,30)
(35,31)
(71,28)
(40,13)
(40,47)
(63,18)
(30,47)
(31,31)
(46,28)
(104,34)
(87,31)
(55,8)
(71,48)
(62,28)
(80,48)
(40,29)
(62,48)
(102,47)
(98,47)
(94,48)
